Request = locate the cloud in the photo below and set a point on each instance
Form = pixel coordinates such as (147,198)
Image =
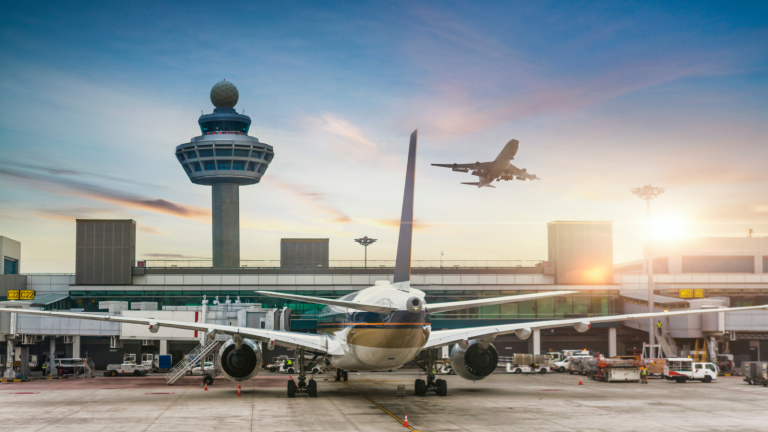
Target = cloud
(151,230)
(123,199)
(346,139)
(316,200)
(395,223)
(71,172)
(172,256)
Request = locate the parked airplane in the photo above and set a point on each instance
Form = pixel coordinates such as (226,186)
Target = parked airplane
(500,169)
(382,327)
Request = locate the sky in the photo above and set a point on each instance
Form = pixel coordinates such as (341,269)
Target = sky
(603,97)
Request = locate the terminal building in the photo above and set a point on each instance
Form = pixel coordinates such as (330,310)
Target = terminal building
(695,273)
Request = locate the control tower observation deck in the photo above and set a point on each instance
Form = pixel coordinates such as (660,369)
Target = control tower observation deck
(225,157)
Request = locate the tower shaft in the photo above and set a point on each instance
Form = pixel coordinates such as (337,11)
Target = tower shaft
(226,225)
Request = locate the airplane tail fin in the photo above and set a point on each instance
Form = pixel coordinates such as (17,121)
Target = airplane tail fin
(403,262)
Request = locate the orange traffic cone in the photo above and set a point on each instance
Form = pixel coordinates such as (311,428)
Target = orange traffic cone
(206,386)
(406,421)
(580,383)
(238,389)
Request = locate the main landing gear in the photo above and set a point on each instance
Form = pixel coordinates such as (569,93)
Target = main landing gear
(302,386)
(342,375)
(439,386)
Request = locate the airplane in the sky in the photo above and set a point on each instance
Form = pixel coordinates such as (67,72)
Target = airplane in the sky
(382,327)
(499,169)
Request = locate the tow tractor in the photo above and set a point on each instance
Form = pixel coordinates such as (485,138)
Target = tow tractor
(684,369)
(127,367)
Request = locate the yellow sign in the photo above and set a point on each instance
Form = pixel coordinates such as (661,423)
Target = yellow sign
(13,295)
(686,293)
(698,293)
(27,294)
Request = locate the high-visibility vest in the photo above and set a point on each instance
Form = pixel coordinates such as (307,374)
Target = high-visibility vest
(658,324)
(644,371)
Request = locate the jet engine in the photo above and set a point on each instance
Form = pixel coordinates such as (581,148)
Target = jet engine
(240,364)
(475,362)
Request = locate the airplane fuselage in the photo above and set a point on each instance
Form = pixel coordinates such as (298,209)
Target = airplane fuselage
(376,341)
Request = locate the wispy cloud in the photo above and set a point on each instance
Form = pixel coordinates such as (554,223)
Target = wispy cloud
(318,201)
(345,139)
(123,199)
(173,256)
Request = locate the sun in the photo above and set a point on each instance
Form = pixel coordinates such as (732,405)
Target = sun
(669,227)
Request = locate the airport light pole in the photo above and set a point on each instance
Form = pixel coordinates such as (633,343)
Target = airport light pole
(648,193)
(365,241)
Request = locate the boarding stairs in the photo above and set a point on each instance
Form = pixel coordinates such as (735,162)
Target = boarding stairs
(667,345)
(194,359)
(85,369)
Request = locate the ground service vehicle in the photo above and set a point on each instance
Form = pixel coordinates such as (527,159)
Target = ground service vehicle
(162,363)
(685,369)
(127,367)
(525,363)
(616,370)
(755,373)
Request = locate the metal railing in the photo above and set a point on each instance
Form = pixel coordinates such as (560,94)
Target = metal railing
(347,264)
(196,357)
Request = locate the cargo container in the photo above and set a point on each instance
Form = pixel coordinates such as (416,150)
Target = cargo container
(755,373)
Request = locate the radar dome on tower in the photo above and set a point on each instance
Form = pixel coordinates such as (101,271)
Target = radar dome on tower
(224,94)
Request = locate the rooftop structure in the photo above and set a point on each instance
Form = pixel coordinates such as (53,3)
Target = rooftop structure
(225,157)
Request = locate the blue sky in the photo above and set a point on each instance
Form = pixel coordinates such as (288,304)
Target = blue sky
(94,97)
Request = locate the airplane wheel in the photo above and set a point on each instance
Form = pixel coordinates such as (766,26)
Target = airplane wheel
(345,375)
(208,380)
(338,375)
(291,371)
(420,387)
(312,388)
(291,389)
(442,387)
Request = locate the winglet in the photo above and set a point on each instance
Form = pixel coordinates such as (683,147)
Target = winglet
(403,262)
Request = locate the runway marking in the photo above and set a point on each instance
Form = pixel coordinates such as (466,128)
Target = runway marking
(379,406)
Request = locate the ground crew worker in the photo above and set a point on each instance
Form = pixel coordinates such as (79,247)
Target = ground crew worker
(658,324)
(289,363)
(44,366)
(644,374)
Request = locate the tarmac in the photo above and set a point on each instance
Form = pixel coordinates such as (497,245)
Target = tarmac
(368,402)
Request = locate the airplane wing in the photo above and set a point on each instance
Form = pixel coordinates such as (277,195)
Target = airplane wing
(468,166)
(449,306)
(332,302)
(512,172)
(311,342)
(446,337)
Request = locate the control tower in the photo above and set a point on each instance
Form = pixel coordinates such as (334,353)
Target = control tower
(225,157)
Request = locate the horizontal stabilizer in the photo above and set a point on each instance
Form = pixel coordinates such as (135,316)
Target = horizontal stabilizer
(449,306)
(478,185)
(331,302)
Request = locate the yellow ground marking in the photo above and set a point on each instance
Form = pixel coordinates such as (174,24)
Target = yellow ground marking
(379,406)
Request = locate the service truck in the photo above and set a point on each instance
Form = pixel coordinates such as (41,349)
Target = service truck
(127,367)
(525,363)
(685,369)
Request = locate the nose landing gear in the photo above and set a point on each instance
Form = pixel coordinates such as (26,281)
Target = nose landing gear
(439,386)
(302,386)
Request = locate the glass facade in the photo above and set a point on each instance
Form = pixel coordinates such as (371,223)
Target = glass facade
(10,266)
(224,126)
(582,304)
(718,264)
